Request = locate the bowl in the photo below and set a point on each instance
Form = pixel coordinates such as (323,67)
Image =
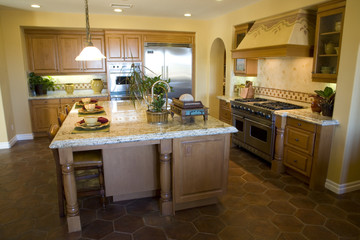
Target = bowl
(86,100)
(90,106)
(90,120)
(326,70)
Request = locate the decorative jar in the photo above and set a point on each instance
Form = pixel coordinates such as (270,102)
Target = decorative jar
(69,88)
(97,85)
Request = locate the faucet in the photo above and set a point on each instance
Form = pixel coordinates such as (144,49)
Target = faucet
(168,90)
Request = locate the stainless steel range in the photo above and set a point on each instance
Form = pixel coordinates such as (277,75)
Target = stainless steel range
(254,119)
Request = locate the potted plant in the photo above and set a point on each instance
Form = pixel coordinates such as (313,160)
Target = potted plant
(41,84)
(327,98)
(151,91)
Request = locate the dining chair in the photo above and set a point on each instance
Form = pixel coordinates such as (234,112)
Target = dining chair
(61,115)
(88,166)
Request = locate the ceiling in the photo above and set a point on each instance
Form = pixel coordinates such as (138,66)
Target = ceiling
(200,9)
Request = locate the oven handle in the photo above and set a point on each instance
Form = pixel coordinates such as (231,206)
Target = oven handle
(261,124)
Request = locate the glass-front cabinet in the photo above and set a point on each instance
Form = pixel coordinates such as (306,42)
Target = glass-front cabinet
(329,25)
(243,67)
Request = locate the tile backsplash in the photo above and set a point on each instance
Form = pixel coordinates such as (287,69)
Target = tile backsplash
(81,82)
(287,78)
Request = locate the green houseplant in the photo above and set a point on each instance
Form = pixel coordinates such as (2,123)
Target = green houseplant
(40,84)
(140,87)
(326,99)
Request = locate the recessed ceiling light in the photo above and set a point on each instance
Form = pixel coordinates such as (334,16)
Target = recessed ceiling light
(219,0)
(187,14)
(122,6)
(35,6)
(117,10)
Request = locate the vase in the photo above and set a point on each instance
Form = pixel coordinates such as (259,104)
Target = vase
(329,48)
(157,117)
(40,89)
(97,85)
(69,88)
(315,104)
(327,109)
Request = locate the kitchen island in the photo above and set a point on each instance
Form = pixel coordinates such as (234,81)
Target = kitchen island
(187,162)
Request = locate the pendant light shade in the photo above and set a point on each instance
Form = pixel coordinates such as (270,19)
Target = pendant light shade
(90,52)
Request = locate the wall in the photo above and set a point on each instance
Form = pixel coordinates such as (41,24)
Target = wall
(7,131)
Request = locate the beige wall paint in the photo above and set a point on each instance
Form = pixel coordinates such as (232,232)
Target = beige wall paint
(345,153)
(6,115)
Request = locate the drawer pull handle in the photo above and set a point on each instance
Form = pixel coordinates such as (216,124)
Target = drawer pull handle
(296,139)
(295,161)
(299,124)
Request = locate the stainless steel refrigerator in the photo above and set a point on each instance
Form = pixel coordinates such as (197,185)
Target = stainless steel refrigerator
(172,61)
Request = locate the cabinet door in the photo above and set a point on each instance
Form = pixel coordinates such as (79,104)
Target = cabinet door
(42,53)
(133,49)
(95,66)
(298,161)
(44,113)
(328,37)
(115,47)
(200,166)
(69,49)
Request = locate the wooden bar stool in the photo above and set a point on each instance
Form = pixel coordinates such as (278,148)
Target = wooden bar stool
(88,165)
(61,115)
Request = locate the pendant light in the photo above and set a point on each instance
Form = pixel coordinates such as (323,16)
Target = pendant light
(90,52)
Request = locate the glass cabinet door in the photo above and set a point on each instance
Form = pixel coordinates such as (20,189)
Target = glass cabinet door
(328,45)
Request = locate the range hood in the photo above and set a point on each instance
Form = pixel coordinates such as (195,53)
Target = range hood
(286,35)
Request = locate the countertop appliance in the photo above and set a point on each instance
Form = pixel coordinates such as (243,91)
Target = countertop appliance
(172,61)
(255,121)
(118,79)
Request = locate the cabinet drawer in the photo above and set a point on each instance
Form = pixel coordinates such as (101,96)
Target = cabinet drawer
(225,105)
(301,124)
(45,101)
(225,116)
(297,161)
(69,101)
(300,139)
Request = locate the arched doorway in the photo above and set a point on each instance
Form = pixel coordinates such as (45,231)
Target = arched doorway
(217,75)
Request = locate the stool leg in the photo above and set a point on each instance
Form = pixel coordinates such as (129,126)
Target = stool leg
(102,188)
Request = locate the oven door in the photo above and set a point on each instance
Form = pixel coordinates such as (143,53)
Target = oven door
(118,82)
(239,123)
(259,136)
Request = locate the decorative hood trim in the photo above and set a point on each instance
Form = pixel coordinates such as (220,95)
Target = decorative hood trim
(289,34)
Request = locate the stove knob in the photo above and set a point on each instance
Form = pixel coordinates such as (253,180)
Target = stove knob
(268,116)
(252,111)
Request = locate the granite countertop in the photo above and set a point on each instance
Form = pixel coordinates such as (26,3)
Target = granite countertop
(63,94)
(129,124)
(307,115)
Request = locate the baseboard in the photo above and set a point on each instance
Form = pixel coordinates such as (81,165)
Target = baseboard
(19,137)
(342,188)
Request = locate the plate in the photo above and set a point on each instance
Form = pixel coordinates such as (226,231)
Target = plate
(96,110)
(92,127)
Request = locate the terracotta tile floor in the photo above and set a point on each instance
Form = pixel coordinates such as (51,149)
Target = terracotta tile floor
(259,205)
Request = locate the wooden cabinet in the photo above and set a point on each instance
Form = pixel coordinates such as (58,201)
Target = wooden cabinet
(123,47)
(329,25)
(54,52)
(200,166)
(243,67)
(225,112)
(43,113)
(42,53)
(306,151)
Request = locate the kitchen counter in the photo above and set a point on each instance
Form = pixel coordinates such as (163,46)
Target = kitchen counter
(139,159)
(308,116)
(76,94)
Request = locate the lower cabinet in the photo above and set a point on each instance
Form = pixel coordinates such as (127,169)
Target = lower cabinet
(200,166)
(307,151)
(43,113)
(225,112)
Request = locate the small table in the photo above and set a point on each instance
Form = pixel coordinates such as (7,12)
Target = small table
(188,113)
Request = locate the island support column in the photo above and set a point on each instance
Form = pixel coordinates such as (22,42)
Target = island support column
(277,163)
(166,204)
(72,207)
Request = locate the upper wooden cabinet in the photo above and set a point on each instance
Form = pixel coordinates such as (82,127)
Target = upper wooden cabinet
(329,25)
(242,66)
(123,47)
(54,52)
(42,53)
